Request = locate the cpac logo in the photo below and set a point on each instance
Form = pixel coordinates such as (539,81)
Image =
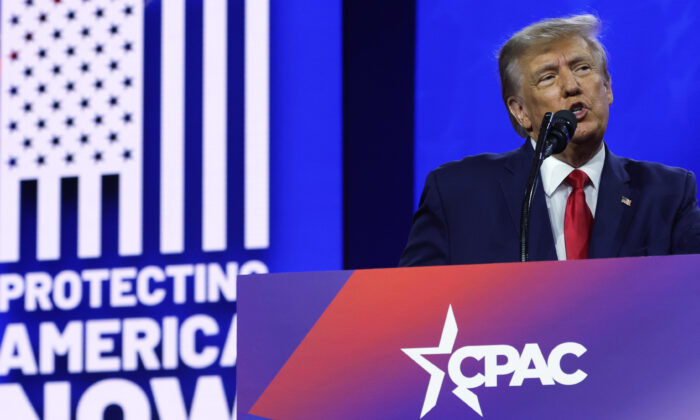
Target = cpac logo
(547,371)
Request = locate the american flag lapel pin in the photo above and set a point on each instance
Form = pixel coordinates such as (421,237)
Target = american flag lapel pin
(626,201)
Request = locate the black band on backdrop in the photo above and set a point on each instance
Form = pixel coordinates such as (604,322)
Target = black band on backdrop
(378,110)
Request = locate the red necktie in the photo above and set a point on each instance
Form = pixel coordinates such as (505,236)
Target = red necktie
(578,220)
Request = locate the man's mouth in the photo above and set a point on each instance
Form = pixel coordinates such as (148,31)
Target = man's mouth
(579,110)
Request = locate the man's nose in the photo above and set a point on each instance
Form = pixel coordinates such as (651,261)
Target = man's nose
(569,83)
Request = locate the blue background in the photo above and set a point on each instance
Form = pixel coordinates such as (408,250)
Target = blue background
(306,135)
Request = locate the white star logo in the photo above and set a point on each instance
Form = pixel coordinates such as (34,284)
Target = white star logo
(447,341)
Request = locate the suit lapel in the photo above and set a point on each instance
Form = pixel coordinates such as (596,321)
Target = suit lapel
(513,183)
(612,216)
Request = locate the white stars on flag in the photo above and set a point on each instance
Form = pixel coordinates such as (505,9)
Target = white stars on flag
(71,106)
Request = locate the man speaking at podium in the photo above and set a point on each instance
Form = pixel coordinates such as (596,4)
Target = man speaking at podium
(589,202)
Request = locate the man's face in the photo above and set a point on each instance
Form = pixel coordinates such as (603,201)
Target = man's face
(563,75)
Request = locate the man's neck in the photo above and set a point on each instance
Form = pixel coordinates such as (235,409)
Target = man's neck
(577,154)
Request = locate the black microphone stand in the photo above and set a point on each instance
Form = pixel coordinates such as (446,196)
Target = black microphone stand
(532,185)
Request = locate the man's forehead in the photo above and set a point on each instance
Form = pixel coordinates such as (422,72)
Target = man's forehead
(572,48)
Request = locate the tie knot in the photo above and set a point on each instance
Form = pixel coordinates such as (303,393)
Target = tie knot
(577,179)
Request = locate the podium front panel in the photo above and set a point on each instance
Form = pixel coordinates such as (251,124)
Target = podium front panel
(614,338)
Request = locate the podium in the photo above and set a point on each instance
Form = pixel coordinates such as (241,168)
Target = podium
(611,338)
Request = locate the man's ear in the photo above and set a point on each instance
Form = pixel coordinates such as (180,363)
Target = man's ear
(517,110)
(608,91)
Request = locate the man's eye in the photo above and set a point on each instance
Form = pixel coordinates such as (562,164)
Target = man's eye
(584,67)
(546,78)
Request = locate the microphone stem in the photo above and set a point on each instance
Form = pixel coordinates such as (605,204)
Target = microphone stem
(532,184)
(532,187)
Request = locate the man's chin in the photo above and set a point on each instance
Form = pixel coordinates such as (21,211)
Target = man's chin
(586,138)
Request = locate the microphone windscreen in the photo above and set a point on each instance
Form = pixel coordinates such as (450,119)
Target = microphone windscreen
(567,117)
(563,128)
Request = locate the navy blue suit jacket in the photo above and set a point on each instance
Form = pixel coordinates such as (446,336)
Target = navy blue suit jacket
(470,212)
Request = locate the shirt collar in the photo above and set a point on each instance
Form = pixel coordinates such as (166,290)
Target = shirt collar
(553,171)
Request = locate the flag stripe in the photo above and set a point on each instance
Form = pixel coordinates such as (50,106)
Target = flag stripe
(9,219)
(172,138)
(69,219)
(90,216)
(257,59)
(214,131)
(109,214)
(27,219)
(48,218)
(131,181)
(9,186)
(130,212)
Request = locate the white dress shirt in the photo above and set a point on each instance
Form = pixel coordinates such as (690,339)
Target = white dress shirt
(553,173)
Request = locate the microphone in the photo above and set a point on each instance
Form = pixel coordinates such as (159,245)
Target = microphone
(561,129)
(555,132)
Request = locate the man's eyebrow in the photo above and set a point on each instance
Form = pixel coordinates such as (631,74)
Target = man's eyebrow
(579,58)
(545,68)
(554,65)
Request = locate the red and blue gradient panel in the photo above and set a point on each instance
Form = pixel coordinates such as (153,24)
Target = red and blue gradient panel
(328,345)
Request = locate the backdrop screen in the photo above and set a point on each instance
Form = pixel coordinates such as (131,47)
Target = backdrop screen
(150,152)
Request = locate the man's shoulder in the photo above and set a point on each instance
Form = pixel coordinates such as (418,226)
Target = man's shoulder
(476,164)
(653,171)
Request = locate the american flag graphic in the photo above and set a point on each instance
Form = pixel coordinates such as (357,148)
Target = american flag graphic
(72,106)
